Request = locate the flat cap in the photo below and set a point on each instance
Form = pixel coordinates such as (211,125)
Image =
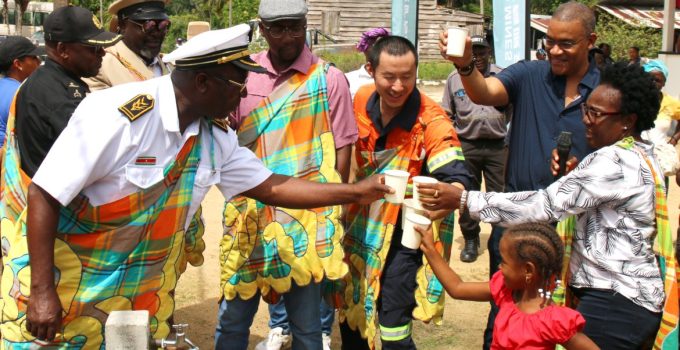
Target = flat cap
(215,47)
(277,10)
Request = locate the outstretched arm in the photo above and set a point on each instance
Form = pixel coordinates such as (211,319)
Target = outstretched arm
(454,285)
(290,192)
(44,308)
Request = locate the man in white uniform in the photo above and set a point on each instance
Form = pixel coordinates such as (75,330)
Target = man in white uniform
(110,203)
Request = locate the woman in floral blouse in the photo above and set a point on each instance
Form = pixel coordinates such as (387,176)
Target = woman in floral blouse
(613,194)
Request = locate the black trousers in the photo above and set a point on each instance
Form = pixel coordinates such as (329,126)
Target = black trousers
(483,158)
(395,303)
(614,322)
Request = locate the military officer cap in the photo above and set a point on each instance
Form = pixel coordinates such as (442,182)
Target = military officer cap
(215,47)
(278,10)
(138,10)
(77,24)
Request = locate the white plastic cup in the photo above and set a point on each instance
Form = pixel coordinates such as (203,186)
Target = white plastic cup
(397,179)
(407,207)
(410,237)
(421,180)
(456,41)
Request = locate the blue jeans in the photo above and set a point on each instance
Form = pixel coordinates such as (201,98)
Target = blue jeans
(302,305)
(279,318)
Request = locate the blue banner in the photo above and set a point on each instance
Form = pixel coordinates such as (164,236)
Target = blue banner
(509,31)
(405,19)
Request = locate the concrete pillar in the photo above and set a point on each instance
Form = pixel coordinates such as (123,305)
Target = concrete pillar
(668,26)
(127,330)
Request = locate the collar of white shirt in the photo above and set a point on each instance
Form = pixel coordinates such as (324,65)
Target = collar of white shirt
(167,105)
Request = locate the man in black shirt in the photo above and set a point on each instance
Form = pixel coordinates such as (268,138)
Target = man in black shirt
(75,43)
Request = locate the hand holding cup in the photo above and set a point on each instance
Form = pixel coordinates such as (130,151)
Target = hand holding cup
(439,196)
(459,60)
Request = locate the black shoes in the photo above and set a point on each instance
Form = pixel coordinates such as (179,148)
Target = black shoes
(470,251)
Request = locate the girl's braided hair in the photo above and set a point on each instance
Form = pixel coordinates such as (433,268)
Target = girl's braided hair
(539,243)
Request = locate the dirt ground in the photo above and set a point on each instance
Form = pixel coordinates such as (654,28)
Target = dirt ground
(198,290)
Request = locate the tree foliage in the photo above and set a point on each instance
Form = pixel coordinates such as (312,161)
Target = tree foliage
(621,36)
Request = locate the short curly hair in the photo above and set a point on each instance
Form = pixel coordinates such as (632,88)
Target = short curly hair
(639,94)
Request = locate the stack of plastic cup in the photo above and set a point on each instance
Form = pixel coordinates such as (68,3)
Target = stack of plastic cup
(421,180)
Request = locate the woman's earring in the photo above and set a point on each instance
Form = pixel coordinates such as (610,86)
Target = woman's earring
(625,128)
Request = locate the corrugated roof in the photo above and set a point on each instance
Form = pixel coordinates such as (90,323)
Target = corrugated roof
(540,22)
(640,16)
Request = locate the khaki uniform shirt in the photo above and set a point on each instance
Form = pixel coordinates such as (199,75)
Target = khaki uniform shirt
(121,65)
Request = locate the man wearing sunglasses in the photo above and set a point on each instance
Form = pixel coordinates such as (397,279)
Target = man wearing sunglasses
(297,117)
(74,41)
(143,25)
(546,98)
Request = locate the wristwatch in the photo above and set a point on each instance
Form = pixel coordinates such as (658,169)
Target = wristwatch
(467,70)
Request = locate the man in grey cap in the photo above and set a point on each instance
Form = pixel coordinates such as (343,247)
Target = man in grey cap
(143,25)
(109,207)
(481,130)
(19,58)
(310,101)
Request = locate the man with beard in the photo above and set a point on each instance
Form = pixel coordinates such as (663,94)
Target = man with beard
(546,98)
(75,43)
(481,131)
(297,117)
(143,25)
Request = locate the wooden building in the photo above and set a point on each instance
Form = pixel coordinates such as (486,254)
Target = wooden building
(345,20)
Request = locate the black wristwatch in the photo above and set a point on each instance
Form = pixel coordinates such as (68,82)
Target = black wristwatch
(467,70)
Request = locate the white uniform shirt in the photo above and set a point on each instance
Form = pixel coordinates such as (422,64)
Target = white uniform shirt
(155,66)
(97,152)
(612,193)
(358,78)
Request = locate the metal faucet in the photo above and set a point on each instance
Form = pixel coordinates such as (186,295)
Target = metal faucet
(181,342)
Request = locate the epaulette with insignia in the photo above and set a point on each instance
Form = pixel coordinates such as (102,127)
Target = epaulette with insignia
(221,123)
(137,106)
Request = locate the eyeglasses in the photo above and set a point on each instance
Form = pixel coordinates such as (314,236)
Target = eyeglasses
(549,43)
(592,115)
(240,86)
(150,24)
(277,31)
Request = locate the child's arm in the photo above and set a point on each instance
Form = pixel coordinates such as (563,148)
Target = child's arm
(457,288)
(580,341)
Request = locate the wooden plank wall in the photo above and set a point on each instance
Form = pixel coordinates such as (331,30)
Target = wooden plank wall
(345,20)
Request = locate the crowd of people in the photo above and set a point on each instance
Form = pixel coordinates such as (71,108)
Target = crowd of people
(110,147)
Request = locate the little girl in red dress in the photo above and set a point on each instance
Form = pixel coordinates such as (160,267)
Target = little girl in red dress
(531,261)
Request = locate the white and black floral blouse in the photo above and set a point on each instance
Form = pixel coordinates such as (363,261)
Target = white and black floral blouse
(612,193)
